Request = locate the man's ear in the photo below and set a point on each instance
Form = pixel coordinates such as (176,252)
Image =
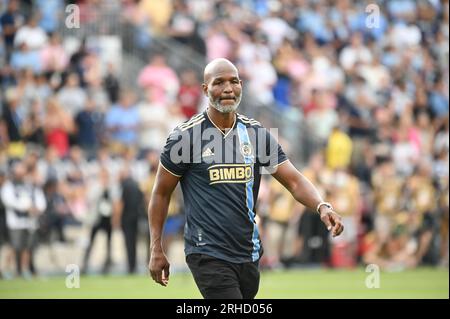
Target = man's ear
(205,89)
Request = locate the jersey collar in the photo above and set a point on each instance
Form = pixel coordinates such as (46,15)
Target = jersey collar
(229,130)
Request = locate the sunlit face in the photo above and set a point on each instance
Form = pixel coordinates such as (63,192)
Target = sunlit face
(224,90)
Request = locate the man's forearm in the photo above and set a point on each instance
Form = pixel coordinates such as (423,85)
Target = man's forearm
(305,192)
(157,213)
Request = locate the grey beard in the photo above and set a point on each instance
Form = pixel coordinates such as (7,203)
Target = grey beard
(224,109)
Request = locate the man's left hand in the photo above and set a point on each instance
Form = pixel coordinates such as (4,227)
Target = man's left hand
(332,220)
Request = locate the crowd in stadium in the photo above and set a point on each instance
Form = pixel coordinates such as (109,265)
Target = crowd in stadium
(79,148)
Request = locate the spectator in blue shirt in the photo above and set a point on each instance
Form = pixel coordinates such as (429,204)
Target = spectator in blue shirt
(26,59)
(122,122)
(438,101)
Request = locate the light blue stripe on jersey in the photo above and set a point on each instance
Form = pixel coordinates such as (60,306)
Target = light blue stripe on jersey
(244,139)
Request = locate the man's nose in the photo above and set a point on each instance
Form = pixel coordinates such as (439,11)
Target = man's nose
(228,88)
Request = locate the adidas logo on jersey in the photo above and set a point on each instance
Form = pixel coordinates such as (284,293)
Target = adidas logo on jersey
(207,153)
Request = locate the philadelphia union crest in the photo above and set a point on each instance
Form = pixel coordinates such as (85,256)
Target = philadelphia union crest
(246,149)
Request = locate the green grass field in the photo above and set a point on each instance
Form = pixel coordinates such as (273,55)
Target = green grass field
(294,284)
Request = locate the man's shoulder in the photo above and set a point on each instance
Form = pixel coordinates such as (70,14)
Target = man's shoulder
(247,121)
(192,122)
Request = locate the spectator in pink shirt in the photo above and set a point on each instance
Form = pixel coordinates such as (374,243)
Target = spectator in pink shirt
(218,45)
(161,79)
(53,56)
(412,132)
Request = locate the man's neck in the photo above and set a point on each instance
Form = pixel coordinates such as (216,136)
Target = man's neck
(223,121)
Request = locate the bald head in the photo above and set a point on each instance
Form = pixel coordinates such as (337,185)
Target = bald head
(216,67)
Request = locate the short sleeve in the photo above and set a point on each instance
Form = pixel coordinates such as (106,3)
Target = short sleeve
(271,154)
(176,155)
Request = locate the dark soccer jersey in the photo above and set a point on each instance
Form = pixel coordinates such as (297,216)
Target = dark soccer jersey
(220,175)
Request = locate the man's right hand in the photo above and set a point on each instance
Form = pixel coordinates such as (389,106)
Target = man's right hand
(159,267)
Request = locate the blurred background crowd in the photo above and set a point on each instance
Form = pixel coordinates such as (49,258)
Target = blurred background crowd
(89,91)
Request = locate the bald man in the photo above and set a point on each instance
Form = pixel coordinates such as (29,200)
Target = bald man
(218,156)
